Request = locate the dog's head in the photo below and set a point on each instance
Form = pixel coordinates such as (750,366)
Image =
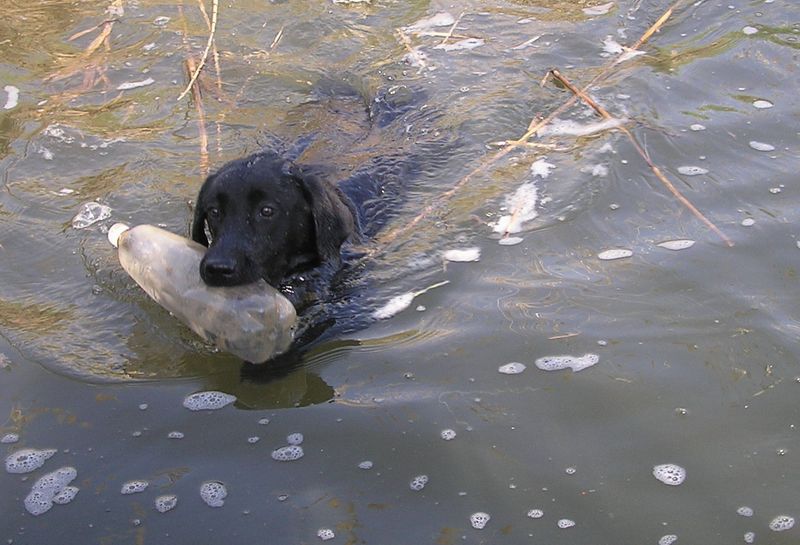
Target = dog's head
(267,219)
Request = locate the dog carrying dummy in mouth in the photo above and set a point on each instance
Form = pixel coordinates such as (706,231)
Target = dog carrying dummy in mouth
(253,321)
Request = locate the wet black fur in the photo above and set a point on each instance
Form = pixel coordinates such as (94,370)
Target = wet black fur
(269,219)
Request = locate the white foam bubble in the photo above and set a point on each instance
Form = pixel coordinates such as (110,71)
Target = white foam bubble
(762,104)
(568,127)
(9,438)
(749,30)
(510,241)
(440,19)
(208,401)
(134,487)
(668,539)
(28,459)
(749,537)
(366,464)
(571,471)
(66,495)
(463,255)
(745,511)
(761,146)
(691,170)
(598,10)
(263,421)
(448,434)
(325,534)
(522,204)
(565,523)
(697,127)
(213,493)
(253,440)
(748,222)
(89,214)
(295,438)
(513,368)
(468,43)
(13,97)
(535,513)
(45,490)
(479,520)
(175,435)
(288,453)
(166,502)
(678,244)
(614,253)
(418,482)
(135,84)
(781,523)
(670,474)
(557,363)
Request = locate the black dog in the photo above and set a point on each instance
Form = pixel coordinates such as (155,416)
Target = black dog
(269,219)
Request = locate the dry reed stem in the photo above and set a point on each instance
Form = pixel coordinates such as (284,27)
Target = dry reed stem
(204,57)
(217,73)
(197,98)
(534,126)
(452,28)
(663,179)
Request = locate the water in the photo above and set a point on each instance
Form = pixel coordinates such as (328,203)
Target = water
(697,349)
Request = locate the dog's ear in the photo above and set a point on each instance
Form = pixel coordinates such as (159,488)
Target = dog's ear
(334,217)
(199,220)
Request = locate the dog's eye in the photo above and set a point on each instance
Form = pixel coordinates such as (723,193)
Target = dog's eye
(266,211)
(213,212)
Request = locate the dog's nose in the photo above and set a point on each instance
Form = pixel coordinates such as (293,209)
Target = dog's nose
(218,271)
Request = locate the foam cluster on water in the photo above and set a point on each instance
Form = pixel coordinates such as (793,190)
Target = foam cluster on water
(9,438)
(463,255)
(51,488)
(165,503)
(535,513)
(289,453)
(295,438)
(614,253)
(781,523)
(479,520)
(565,523)
(134,487)
(366,464)
(213,493)
(448,434)
(325,534)
(692,170)
(208,401)
(670,474)
(28,459)
(576,363)
(668,539)
(513,368)
(418,483)
(745,511)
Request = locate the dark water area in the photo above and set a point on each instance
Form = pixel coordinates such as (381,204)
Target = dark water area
(691,353)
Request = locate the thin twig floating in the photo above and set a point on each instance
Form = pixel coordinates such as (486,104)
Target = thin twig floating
(214,12)
(663,179)
(217,72)
(452,28)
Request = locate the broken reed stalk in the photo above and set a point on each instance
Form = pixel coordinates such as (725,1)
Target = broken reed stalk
(452,28)
(663,179)
(217,72)
(533,127)
(197,98)
(204,57)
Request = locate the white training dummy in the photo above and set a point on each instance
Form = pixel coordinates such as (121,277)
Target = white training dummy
(254,322)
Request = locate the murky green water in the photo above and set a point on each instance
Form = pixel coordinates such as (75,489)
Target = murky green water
(698,354)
